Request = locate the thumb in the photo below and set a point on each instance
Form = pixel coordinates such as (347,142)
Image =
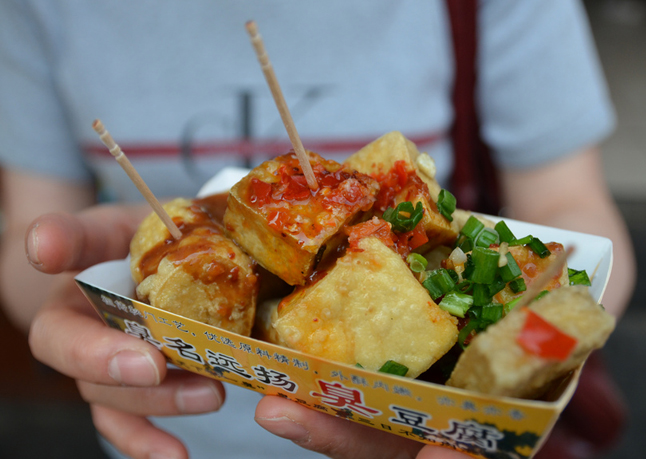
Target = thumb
(60,242)
(335,437)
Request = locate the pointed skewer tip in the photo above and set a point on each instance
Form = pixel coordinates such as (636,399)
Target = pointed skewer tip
(252,28)
(97,125)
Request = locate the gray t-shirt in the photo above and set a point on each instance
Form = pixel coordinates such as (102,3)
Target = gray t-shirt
(180,89)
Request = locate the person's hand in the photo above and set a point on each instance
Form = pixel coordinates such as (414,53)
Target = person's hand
(591,423)
(339,438)
(123,378)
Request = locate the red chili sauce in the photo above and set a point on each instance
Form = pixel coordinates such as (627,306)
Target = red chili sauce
(401,178)
(290,206)
(402,243)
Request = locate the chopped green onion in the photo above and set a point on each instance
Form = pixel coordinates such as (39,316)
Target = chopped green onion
(511,305)
(541,295)
(491,314)
(404,217)
(485,263)
(487,237)
(438,282)
(465,244)
(394,368)
(472,227)
(475,313)
(578,277)
(511,270)
(539,248)
(481,294)
(433,288)
(456,303)
(518,285)
(358,365)
(446,204)
(465,332)
(464,286)
(416,262)
(496,286)
(522,241)
(468,267)
(504,232)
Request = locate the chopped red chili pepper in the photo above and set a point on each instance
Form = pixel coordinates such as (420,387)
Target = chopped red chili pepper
(375,227)
(541,338)
(280,193)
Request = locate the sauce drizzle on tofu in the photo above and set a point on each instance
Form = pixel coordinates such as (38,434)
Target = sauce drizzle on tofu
(187,252)
(291,207)
(399,178)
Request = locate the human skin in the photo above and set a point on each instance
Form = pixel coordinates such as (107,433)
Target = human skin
(124,379)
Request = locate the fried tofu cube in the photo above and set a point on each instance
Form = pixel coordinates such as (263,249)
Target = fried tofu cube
(405,174)
(495,363)
(288,228)
(366,310)
(203,276)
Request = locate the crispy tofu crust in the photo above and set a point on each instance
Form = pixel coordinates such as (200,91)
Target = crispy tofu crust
(367,309)
(379,158)
(204,276)
(288,236)
(494,363)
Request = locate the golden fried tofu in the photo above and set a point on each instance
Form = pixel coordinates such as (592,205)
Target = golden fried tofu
(405,174)
(366,310)
(203,276)
(496,363)
(286,227)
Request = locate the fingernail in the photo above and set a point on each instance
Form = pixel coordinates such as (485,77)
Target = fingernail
(133,368)
(32,246)
(198,397)
(285,428)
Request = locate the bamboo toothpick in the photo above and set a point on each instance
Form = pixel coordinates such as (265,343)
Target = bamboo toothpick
(124,162)
(541,281)
(272,81)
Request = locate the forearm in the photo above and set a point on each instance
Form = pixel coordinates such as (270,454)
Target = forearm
(25,197)
(573,195)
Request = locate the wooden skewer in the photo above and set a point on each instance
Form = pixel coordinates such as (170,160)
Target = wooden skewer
(541,281)
(270,76)
(124,162)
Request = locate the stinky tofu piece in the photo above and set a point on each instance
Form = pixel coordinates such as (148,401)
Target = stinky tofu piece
(495,363)
(203,276)
(393,159)
(286,227)
(366,310)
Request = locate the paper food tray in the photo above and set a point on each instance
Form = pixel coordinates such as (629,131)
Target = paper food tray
(481,425)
